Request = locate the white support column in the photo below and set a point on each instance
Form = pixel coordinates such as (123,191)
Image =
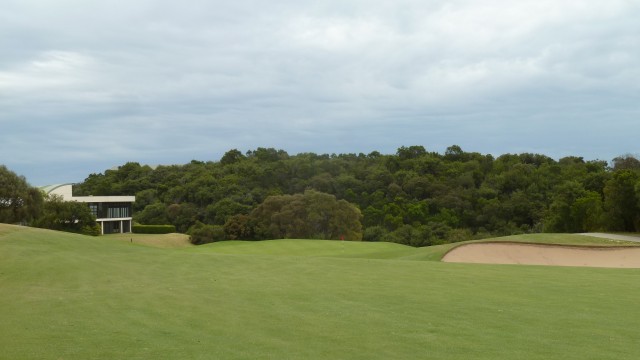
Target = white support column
(121,227)
(101,227)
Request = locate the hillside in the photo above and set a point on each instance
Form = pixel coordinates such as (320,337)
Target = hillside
(413,197)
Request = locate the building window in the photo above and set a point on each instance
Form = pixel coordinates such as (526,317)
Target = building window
(118,212)
(94,209)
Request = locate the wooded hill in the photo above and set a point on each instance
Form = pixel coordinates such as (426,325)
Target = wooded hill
(412,197)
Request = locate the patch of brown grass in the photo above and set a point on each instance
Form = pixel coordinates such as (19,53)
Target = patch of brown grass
(173,240)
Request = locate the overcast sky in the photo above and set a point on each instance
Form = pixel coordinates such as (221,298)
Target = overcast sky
(88,85)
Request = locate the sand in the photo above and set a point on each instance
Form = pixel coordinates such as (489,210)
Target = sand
(539,254)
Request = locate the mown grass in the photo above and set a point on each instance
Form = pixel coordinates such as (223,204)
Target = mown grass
(384,250)
(68,296)
(565,239)
(318,248)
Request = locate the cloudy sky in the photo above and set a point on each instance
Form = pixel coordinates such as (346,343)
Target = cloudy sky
(87,85)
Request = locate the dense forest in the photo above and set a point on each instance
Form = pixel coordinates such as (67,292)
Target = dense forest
(412,197)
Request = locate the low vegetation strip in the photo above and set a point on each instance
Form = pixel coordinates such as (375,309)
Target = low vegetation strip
(153,229)
(561,239)
(633,238)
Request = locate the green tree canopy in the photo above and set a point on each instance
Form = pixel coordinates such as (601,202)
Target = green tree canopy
(309,215)
(443,197)
(19,202)
(69,216)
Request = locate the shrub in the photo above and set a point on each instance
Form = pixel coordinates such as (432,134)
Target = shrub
(239,227)
(153,229)
(374,233)
(94,230)
(203,234)
(457,235)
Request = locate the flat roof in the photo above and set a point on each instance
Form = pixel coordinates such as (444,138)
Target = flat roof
(86,199)
(103,199)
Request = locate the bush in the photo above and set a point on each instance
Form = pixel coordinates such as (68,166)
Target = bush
(203,234)
(239,227)
(458,235)
(70,216)
(411,235)
(94,230)
(374,233)
(153,229)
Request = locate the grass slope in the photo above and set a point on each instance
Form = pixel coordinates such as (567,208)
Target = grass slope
(383,250)
(564,239)
(68,296)
(318,248)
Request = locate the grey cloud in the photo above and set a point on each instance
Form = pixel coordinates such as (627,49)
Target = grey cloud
(161,81)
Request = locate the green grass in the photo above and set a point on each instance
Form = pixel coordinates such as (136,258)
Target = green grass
(66,296)
(317,248)
(565,239)
(320,248)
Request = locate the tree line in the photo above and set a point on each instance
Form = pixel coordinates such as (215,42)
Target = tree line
(413,197)
(20,203)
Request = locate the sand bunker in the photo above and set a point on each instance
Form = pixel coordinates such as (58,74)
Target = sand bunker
(538,254)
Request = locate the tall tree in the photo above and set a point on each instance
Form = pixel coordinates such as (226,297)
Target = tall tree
(19,202)
(626,162)
(232,156)
(562,216)
(620,201)
(69,216)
